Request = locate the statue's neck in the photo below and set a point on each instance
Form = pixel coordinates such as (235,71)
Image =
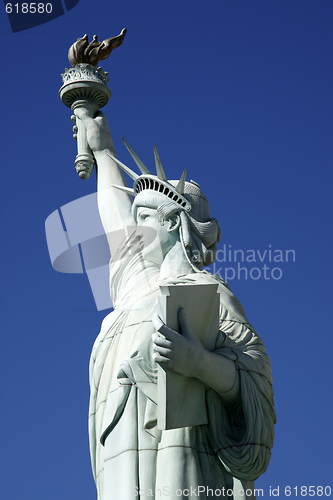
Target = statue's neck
(175,263)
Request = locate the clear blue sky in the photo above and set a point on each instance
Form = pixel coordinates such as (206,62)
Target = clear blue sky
(236,91)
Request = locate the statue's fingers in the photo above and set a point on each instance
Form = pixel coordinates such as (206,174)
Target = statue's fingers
(158,340)
(157,322)
(166,353)
(75,129)
(163,329)
(75,136)
(161,359)
(73,118)
(82,114)
(100,114)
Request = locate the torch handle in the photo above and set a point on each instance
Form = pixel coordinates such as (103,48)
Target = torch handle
(84,162)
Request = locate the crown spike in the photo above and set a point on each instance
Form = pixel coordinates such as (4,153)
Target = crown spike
(123,167)
(181,184)
(142,167)
(159,168)
(125,189)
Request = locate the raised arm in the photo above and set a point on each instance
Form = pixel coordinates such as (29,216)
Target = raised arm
(114,205)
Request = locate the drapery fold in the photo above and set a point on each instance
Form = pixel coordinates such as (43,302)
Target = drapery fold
(235,444)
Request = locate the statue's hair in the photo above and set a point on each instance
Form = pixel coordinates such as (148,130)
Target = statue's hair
(199,233)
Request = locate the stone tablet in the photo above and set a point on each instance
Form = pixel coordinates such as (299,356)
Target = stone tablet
(181,400)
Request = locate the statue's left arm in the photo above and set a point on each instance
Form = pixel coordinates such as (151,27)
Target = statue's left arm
(184,354)
(240,406)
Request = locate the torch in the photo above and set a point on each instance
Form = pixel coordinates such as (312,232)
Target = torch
(85,85)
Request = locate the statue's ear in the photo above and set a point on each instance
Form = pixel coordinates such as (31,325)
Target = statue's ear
(173,223)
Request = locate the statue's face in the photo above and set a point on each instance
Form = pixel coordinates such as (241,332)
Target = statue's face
(165,239)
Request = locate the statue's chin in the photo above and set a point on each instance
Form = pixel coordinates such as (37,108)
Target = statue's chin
(153,253)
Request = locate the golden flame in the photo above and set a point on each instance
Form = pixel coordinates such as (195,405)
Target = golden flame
(83,52)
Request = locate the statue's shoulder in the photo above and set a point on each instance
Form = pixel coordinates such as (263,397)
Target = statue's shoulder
(227,298)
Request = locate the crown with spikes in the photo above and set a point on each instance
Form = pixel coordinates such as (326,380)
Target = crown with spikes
(152,182)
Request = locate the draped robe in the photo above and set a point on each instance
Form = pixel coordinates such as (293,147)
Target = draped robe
(130,456)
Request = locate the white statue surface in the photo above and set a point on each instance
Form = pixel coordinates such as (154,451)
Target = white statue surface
(181,389)
(131,454)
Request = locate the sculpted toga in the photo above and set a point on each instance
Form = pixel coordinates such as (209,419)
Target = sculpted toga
(130,456)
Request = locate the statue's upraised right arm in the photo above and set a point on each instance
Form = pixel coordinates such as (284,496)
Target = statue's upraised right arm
(114,205)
